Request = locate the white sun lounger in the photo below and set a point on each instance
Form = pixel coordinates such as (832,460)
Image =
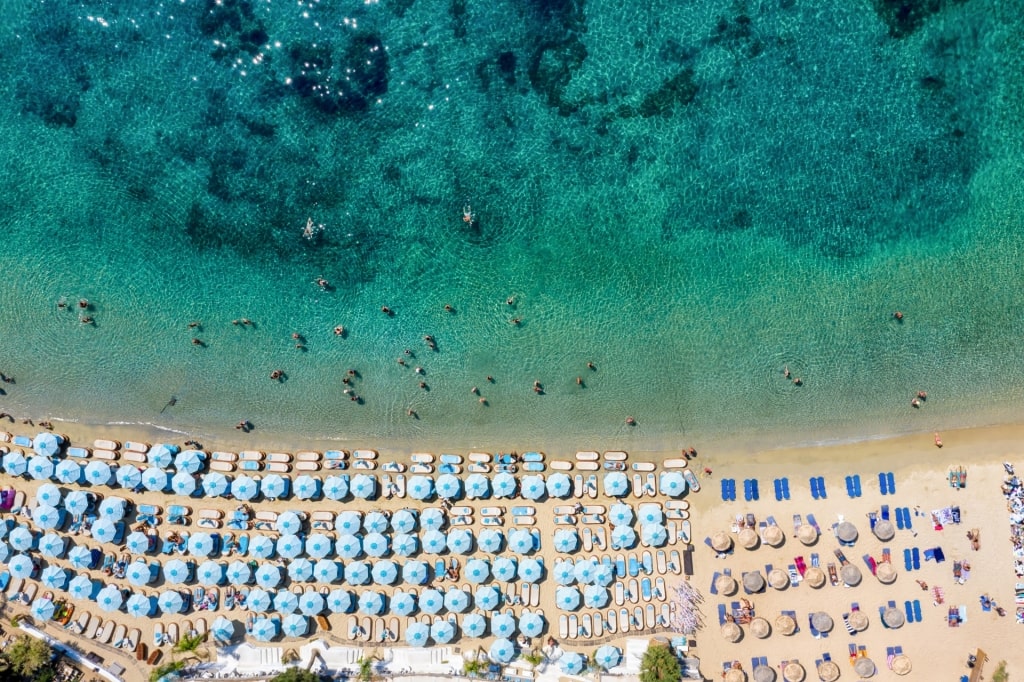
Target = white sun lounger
(136,446)
(104,444)
(307,466)
(223,457)
(104,454)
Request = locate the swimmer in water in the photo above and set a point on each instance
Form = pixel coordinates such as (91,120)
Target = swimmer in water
(339,330)
(467,214)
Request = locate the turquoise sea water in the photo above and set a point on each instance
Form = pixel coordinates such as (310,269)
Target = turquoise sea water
(691,195)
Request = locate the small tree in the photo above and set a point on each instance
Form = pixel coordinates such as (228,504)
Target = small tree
(365,669)
(534,658)
(1000,674)
(295,675)
(472,668)
(28,655)
(165,669)
(659,664)
(189,643)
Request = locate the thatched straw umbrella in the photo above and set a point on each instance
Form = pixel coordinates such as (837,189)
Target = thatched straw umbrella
(794,672)
(721,542)
(807,534)
(785,624)
(778,579)
(764,673)
(846,532)
(748,538)
(894,618)
(884,530)
(725,584)
(828,671)
(814,576)
(732,632)
(760,628)
(821,621)
(753,582)
(901,665)
(885,573)
(864,667)
(858,620)
(851,575)
(735,675)
(773,535)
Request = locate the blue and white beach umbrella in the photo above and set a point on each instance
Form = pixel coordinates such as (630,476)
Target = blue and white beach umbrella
(137,573)
(274,486)
(288,523)
(672,483)
(48,494)
(363,486)
(357,573)
(339,601)
(530,570)
(348,546)
(259,600)
(616,484)
(137,542)
(477,571)
(432,518)
(584,571)
(183,483)
(532,487)
(110,598)
(154,479)
(160,456)
(431,601)
(336,487)
(503,485)
(504,569)
(531,624)
(68,471)
(417,634)
(210,573)
(51,545)
(623,537)
(81,587)
(566,540)
(567,598)
(190,461)
(434,542)
(295,625)
(311,603)
(456,600)
(128,475)
(175,571)
(490,540)
(285,602)
(375,522)
(487,598)
(139,606)
(318,545)
(420,487)
(595,597)
(239,573)
(375,545)
(47,444)
(223,629)
(371,603)
(289,546)
(21,539)
(21,566)
(104,530)
(326,571)
(80,557)
(460,541)
(43,608)
(54,578)
(442,631)
(478,487)
(46,517)
(385,572)
(653,534)
(15,463)
(474,625)
(405,545)
(414,572)
(171,601)
(307,487)
(40,468)
(604,575)
(348,522)
(268,576)
(113,508)
(448,486)
(76,502)
(502,650)
(200,544)
(264,630)
(620,514)
(559,485)
(520,541)
(608,656)
(300,570)
(215,484)
(571,663)
(261,547)
(99,473)
(403,521)
(650,513)
(244,488)
(564,572)
(402,604)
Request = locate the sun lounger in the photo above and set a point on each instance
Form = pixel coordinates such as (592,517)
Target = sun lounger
(106,632)
(370,454)
(108,455)
(223,467)
(105,444)
(119,635)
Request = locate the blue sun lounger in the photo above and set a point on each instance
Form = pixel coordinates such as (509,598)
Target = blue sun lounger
(722,615)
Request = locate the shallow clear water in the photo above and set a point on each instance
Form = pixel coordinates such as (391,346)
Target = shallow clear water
(691,197)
